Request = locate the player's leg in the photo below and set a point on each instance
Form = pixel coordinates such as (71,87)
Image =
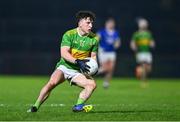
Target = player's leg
(141,71)
(148,68)
(103,58)
(88,86)
(103,67)
(144,72)
(141,74)
(109,73)
(138,71)
(147,60)
(111,61)
(141,59)
(102,61)
(56,78)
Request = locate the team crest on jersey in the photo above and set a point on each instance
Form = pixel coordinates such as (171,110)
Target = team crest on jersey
(76,41)
(82,43)
(91,44)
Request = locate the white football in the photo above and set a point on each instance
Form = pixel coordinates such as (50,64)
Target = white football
(92,63)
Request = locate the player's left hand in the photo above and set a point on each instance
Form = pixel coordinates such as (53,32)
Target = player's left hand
(82,65)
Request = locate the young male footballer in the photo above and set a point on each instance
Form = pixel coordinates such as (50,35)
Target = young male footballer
(77,44)
(141,43)
(109,42)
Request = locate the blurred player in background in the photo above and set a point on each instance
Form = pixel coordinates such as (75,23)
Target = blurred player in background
(76,45)
(109,43)
(141,43)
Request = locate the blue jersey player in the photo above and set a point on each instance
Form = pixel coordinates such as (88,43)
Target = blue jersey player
(109,43)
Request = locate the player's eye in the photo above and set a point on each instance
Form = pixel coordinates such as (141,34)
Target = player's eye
(89,23)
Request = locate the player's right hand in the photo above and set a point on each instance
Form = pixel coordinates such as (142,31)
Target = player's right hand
(82,65)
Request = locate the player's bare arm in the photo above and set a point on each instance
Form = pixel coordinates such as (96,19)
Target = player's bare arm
(65,53)
(94,55)
(133,45)
(152,44)
(117,43)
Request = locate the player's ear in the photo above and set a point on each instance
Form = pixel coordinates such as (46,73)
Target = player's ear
(80,23)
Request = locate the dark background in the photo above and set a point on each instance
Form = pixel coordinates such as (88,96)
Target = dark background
(31,31)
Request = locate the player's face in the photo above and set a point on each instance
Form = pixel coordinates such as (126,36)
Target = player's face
(86,25)
(110,24)
(143,24)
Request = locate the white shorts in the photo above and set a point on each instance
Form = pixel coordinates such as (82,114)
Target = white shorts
(69,74)
(106,56)
(144,57)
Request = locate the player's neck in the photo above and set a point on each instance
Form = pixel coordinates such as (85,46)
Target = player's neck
(80,32)
(110,31)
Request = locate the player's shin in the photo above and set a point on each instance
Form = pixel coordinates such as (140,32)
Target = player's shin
(86,93)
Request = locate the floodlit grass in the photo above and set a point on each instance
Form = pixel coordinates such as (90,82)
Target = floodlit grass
(124,100)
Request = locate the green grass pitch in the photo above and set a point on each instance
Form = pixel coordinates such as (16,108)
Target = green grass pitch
(124,100)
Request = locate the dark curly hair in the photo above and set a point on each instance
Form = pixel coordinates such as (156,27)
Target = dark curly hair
(85,14)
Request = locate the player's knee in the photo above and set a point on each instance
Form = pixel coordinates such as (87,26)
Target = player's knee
(92,84)
(110,69)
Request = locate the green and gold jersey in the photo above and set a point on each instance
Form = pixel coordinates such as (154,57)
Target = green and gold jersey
(80,46)
(142,40)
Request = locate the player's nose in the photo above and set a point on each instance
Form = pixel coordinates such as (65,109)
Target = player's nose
(90,25)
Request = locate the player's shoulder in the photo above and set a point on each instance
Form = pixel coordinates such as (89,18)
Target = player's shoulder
(93,36)
(71,32)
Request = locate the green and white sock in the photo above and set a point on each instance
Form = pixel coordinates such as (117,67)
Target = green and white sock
(37,104)
(80,101)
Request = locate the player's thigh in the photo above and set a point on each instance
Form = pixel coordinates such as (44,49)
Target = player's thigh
(111,64)
(100,54)
(111,60)
(82,81)
(104,65)
(102,57)
(148,67)
(105,58)
(56,77)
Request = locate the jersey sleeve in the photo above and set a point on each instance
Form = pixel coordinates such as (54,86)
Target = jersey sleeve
(66,40)
(151,37)
(134,37)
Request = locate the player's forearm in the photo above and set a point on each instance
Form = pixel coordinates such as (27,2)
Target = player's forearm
(133,46)
(117,44)
(152,44)
(66,55)
(94,55)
